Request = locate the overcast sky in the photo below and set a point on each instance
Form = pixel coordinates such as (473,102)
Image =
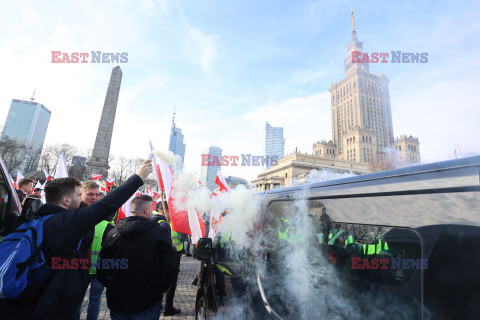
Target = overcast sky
(230,66)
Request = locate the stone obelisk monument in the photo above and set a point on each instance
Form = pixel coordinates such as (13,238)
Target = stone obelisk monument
(98,164)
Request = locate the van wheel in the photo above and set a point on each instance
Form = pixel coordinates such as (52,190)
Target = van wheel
(201,311)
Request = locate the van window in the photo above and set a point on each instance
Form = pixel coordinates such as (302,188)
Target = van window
(354,264)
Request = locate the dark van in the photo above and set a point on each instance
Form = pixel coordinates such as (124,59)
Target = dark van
(400,244)
(10,207)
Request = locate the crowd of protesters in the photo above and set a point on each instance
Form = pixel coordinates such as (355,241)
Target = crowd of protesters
(142,252)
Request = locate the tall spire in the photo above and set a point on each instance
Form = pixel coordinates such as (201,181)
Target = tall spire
(173,119)
(354,33)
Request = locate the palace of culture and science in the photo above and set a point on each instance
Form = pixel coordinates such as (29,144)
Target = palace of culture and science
(361,128)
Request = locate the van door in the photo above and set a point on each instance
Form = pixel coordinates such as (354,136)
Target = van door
(10,207)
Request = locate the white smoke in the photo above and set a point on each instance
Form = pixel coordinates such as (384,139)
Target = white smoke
(322,175)
(168,157)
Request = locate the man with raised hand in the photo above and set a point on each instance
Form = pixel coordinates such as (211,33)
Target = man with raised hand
(62,234)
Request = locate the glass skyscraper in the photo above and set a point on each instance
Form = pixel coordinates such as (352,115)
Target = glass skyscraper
(27,123)
(274,143)
(209,173)
(176,144)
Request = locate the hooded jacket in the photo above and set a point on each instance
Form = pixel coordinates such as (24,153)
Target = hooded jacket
(137,264)
(61,234)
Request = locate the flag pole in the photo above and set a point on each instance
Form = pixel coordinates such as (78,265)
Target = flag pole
(163,206)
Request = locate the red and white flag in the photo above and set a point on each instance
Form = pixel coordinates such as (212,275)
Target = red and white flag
(96,177)
(110,183)
(62,171)
(196,224)
(103,187)
(4,198)
(163,173)
(47,176)
(221,182)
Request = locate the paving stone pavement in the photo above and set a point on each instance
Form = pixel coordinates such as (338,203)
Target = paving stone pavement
(184,295)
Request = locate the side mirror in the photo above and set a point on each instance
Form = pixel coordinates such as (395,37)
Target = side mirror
(204,248)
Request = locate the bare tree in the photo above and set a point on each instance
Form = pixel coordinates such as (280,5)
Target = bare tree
(383,161)
(17,155)
(125,167)
(51,153)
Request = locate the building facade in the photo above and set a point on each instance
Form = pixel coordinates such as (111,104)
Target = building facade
(27,123)
(209,173)
(274,143)
(176,144)
(408,149)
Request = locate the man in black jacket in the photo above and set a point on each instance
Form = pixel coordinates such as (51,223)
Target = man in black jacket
(62,234)
(135,290)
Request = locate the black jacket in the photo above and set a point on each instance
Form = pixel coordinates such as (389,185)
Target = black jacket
(62,233)
(151,262)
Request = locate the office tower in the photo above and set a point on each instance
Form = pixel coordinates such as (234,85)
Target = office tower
(176,144)
(209,173)
(26,123)
(274,143)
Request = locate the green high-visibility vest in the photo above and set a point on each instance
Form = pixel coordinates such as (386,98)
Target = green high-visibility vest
(370,249)
(97,244)
(176,240)
(349,240)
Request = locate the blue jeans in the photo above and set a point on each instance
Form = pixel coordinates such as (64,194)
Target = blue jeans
(150,314)
(96,290)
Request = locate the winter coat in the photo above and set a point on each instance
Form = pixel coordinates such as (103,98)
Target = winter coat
(142,265)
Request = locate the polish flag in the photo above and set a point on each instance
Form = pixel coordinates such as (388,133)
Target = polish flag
(103,187)
(96,177)
(61,168)
(110,183)
(221,182)
(186,221)
(47,176)
(19,177)
(163,173)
